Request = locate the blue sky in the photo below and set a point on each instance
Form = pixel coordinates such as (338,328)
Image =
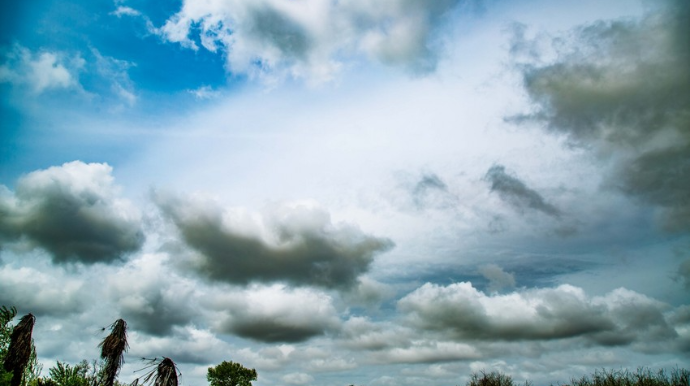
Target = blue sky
(350,192)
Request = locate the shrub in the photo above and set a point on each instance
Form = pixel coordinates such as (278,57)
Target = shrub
(641,377)
(493,378)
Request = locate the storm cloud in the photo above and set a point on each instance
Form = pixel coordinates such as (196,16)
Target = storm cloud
(73,212)
(622,89)
(295,244)
(514,192)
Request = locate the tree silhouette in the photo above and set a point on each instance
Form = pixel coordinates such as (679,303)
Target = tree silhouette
(113,348)
(21,346)
(165,374)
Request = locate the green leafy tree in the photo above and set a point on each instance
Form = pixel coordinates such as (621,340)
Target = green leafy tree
(65,375)
(230,374)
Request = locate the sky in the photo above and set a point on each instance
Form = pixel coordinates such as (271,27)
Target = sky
(399,192)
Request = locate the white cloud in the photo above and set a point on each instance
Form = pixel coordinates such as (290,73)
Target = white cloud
(297,378)
(205,92)
(125,11)
(41,293)
(41,71)
(306,39)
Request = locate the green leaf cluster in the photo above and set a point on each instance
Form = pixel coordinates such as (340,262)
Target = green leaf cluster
(230,374)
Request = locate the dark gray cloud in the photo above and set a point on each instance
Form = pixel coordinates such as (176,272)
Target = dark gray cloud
(516,193)
(72,211)
(621,317)
(622,88)
(150,297)
(157,311)
(274,330)
(269,314)
(278,30)
(298,245)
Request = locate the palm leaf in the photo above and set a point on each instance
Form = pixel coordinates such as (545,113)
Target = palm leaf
(165,374)
(113,348)
(19,352)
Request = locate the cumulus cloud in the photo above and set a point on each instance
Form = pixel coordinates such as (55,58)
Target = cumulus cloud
(427,351)
(621,317)
(389,342)
(184,344)
(150,297)
(368,293)
(296,244)
(41,71)
(308,37)
(39,292)
(73,212)
(269,314)
(360,333)
(514,192)
(622,88)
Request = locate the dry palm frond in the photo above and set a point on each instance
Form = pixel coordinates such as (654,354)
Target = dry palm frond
(113,348)
(165,374)
(19,352)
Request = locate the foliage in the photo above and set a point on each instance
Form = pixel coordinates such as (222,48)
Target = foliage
(230,374)
(31,368)
(641,377)
(113,348)
(65,375)
(491,379)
